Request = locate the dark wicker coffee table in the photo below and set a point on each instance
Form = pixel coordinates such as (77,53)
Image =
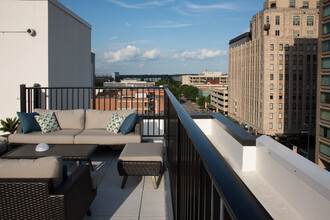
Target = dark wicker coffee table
(78,152)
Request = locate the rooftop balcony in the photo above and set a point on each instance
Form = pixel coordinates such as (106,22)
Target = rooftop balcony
(215,170)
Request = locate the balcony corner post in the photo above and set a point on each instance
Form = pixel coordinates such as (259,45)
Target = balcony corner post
(23,97)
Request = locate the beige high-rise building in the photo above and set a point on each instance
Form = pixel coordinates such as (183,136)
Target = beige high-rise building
(272,69)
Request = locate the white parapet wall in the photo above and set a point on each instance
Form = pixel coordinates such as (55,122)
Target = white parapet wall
(288,185)
(301,183)
(239,156)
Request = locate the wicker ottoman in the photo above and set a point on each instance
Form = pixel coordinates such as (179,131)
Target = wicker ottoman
(141,159)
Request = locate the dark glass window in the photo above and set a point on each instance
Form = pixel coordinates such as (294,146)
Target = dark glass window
(292,3)
(325,149)
(325,80)
(325,132)
(325,115)
(326,63)
(326,11)
(326,45)
(325,97)
(326,28)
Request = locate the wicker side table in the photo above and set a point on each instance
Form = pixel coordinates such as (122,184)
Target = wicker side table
(141,159)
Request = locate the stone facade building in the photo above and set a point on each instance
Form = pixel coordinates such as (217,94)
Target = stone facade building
(272,69)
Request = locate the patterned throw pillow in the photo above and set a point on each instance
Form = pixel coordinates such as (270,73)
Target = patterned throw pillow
(47,122)
(115,122)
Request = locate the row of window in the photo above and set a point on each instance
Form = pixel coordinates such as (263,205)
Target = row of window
(296,33)
(294,47)
(293,125)
(324,149)
(294,67)
(287,56)
(305,4)
(296,20)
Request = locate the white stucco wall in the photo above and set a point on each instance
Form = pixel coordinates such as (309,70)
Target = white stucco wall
(59,54)
(23,58)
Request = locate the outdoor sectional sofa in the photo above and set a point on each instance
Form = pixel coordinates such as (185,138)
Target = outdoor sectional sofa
(80,127)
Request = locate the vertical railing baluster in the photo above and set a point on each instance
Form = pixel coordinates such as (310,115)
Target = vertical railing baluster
(78,98)
(126,97)
(45,104)
(121,98)
(115,100)
(23,97)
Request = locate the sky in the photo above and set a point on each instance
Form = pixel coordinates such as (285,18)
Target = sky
(163,36)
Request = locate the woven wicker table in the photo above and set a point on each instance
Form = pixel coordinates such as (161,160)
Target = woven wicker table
(141,159)
(78,152)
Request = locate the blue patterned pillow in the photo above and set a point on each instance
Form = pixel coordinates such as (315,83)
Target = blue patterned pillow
(115,122)
(47,122)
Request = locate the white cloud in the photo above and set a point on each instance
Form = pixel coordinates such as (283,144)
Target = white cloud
(114,37)
(141,5)
(207,7)
(127,24)
(200,54)
(130,53)
(140,65)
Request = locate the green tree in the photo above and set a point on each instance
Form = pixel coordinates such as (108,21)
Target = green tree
(208,99)
(190,92)
(201,100)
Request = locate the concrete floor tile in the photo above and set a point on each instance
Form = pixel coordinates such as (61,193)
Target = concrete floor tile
(153,204)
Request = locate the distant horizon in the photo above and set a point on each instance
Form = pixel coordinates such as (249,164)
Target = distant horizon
(163,36)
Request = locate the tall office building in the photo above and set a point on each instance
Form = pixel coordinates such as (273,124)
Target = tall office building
(273,69)
(322,145)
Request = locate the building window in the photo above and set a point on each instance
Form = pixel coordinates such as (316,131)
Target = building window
(280,96)
(325,132)
(308,47)
(270,105)
(281,57)
(326,45)
(325,81)
(305,5)
(326,63)
(325,115)
(326,28)
(287,47)
(272,47)
(273,5)
(310,20)
(300,47)
(280,86)
(271,76)
(314,47)
(271,86)
(277,20)
(280,115)
(296,33)
(292,3)
(309,33)
(270,125)
(272,57)
(280,106)
(325,97)
(296,20)
(281,67)
(277,32)
(280,125)
(267,19)
(271,115)
(324,149)
(295,47)
(281,47)
(287,57)
(271,96)
(326,11)
(271,66)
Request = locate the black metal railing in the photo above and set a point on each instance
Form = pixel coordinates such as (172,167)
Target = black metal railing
(148,101)
(203,184)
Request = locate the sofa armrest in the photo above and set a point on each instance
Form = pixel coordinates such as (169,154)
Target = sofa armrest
(138,126)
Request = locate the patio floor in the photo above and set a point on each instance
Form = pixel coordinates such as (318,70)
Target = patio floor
(139,199)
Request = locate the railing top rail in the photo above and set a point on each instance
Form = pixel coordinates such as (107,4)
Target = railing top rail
(242,202)
(89,87)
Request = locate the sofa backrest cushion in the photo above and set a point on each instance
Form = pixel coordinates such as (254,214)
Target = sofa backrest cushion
(97,119)
(44,167)
(67,119)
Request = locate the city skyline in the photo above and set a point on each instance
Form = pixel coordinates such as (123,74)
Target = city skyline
(163,36)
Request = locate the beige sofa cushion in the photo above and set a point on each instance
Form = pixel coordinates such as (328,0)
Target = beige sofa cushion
(54,137)
(97,119)
(67,119)
(45,167)
(142,152)
(104,137)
